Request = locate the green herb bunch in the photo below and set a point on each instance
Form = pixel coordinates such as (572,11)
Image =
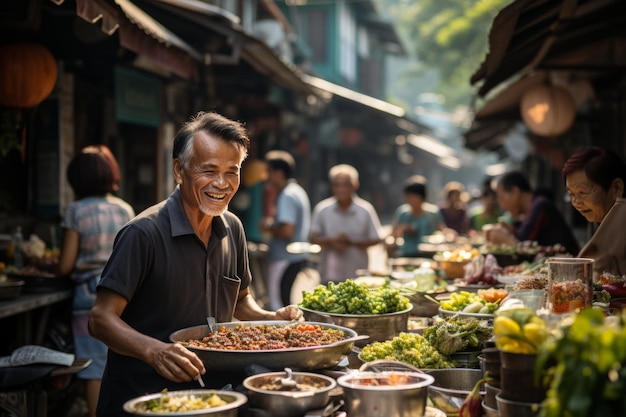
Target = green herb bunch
(455,334)
(349,297)
(587,368)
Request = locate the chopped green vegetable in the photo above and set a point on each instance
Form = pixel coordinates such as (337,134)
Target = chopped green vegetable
(349,297)
(455,334)
(409,348)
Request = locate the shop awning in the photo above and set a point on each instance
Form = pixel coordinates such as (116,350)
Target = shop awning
(533,41)
(142,34)
(232,42)
(153,28)
(576,35)
(363,99)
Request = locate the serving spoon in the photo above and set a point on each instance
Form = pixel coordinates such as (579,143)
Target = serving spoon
(210,321)
(288,382)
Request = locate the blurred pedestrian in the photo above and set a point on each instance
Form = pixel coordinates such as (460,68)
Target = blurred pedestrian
(453,209)
(345,226)
(542,220)
(291,223)
(488,212)
(89,227)
(414,219)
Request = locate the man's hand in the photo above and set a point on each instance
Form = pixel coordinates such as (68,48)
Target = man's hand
(177,363)
(290,312)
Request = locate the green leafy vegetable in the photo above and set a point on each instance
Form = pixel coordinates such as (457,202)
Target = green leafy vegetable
(455,334)
(588,372)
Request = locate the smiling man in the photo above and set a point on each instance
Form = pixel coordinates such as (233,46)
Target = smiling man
(172,266)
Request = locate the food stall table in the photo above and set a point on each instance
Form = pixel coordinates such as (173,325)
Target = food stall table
(32,310)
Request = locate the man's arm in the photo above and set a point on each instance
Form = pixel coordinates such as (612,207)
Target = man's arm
(247,309)
(171,360)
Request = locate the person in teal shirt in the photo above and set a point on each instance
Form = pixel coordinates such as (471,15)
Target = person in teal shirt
(488,212)
(414,219)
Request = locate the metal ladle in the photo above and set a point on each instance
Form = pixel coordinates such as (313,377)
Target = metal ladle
(288,382)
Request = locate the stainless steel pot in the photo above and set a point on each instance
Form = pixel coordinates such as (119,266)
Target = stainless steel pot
(288,403)
(451,386)
(364,399)
(301,359)
(379,327)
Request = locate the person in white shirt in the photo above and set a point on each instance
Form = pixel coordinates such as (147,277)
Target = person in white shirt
(345,226)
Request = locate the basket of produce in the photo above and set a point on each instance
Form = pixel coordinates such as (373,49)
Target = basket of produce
(452,263)
(380,313)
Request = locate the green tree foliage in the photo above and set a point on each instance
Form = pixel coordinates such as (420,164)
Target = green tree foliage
(447,36)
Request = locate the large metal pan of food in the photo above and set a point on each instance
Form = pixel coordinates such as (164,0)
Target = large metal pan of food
(275,345)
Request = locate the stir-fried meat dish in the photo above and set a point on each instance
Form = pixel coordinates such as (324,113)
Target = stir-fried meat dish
(267,337)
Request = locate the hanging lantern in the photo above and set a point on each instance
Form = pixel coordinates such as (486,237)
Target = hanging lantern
(548,110)
(28,73)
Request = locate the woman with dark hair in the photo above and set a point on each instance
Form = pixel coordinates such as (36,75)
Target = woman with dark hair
(89,227)
(595,179)
(542,221)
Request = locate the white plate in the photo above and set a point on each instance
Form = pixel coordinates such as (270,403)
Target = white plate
(508,279)
(371,281)
(448,313)
(476,287)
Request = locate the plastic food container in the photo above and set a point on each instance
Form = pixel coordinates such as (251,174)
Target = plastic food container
(569,284)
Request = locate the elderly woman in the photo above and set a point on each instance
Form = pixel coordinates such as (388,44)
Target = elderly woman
(595,179)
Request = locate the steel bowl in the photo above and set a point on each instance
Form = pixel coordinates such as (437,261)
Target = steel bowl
(234,399)
(287,402)
(375,394)
(379,327)
(301,359)
(451,386)
(10,288)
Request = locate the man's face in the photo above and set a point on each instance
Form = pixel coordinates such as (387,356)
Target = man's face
(342,187)
(414,200)
(509,200)
(212,178)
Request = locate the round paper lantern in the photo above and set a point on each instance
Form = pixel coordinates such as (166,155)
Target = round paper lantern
(28,73)
(548,110)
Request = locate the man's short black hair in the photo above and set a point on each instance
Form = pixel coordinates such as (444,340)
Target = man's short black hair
(282,161)
(415,185)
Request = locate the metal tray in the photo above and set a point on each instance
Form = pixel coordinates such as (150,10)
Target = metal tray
(302,359)
(42,284)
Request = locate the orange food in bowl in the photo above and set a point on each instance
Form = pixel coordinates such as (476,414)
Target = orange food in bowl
(493,295)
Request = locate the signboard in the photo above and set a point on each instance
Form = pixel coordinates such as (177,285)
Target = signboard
(136,97)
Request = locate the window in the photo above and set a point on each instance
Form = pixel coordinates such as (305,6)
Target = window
(317,34)
(347,43)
